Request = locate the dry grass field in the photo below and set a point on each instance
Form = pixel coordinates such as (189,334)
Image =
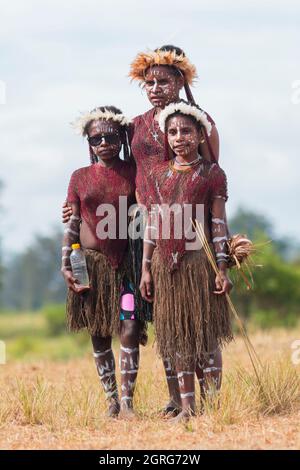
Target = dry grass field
(60,405)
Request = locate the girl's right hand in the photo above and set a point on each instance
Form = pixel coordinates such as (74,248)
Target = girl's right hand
(71,282)
(66,212)
(223,283)
(146,286)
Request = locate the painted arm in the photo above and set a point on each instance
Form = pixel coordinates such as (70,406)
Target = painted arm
(146,284)
(71,235)
(219,239)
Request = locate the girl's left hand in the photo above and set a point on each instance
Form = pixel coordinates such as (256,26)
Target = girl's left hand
(146,286)
(223,283)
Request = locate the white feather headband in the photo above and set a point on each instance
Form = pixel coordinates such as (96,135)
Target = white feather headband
(187,109)
(80,124)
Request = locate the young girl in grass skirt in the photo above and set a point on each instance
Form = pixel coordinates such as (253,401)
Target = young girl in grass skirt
(191,316)
(163,73)
(91,190)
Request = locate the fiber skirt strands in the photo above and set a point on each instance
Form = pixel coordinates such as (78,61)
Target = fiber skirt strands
(98,310)
(143,307)
(189,319)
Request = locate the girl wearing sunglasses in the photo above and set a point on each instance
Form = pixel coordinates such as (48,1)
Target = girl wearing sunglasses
(97,308)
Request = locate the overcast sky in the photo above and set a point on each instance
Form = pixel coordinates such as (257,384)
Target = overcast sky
(58,58)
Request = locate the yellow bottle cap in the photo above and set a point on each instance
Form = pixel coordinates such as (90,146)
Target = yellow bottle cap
(76,246)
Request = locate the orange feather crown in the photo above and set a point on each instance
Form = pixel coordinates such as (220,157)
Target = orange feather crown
(144,60)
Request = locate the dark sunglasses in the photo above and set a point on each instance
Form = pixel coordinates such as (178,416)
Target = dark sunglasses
(109,139)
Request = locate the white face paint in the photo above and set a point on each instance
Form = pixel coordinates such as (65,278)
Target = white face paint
(162,86)
(155,85)
(183,136)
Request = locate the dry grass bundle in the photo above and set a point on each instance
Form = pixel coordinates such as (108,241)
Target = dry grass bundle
(250,349)
(239,249)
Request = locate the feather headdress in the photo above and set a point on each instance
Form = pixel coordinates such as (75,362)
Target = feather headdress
(187,109)
(81,122)
(144,60)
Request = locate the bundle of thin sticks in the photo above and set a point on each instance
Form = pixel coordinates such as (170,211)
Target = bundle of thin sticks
(256,363)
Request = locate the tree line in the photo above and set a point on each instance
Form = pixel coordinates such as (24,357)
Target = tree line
(32,278)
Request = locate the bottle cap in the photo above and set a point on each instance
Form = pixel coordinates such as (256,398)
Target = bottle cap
(75,246)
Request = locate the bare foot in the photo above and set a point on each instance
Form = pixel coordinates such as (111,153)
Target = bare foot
(171,410)
(127,411)
(183,417)
(113,409)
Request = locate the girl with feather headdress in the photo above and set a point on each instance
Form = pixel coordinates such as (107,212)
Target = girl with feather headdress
(97,308)
(191,316)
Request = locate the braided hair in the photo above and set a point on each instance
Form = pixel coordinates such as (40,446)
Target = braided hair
(188,92)
(175,70)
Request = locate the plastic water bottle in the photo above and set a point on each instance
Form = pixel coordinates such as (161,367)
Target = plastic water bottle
(78,264)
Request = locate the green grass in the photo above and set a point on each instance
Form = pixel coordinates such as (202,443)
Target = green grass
(14,324)
(30,336)
(40,335)
(30,348)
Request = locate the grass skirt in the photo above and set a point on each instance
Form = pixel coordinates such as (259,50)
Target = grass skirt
(98,310)
(143,307)
(189,319)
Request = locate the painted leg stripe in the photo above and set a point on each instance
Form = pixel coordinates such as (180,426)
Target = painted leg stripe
(111,394)
(181,374)
(129,350)
(108,374)
(186,395)
(123,372)
(100,354)
(211,369)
